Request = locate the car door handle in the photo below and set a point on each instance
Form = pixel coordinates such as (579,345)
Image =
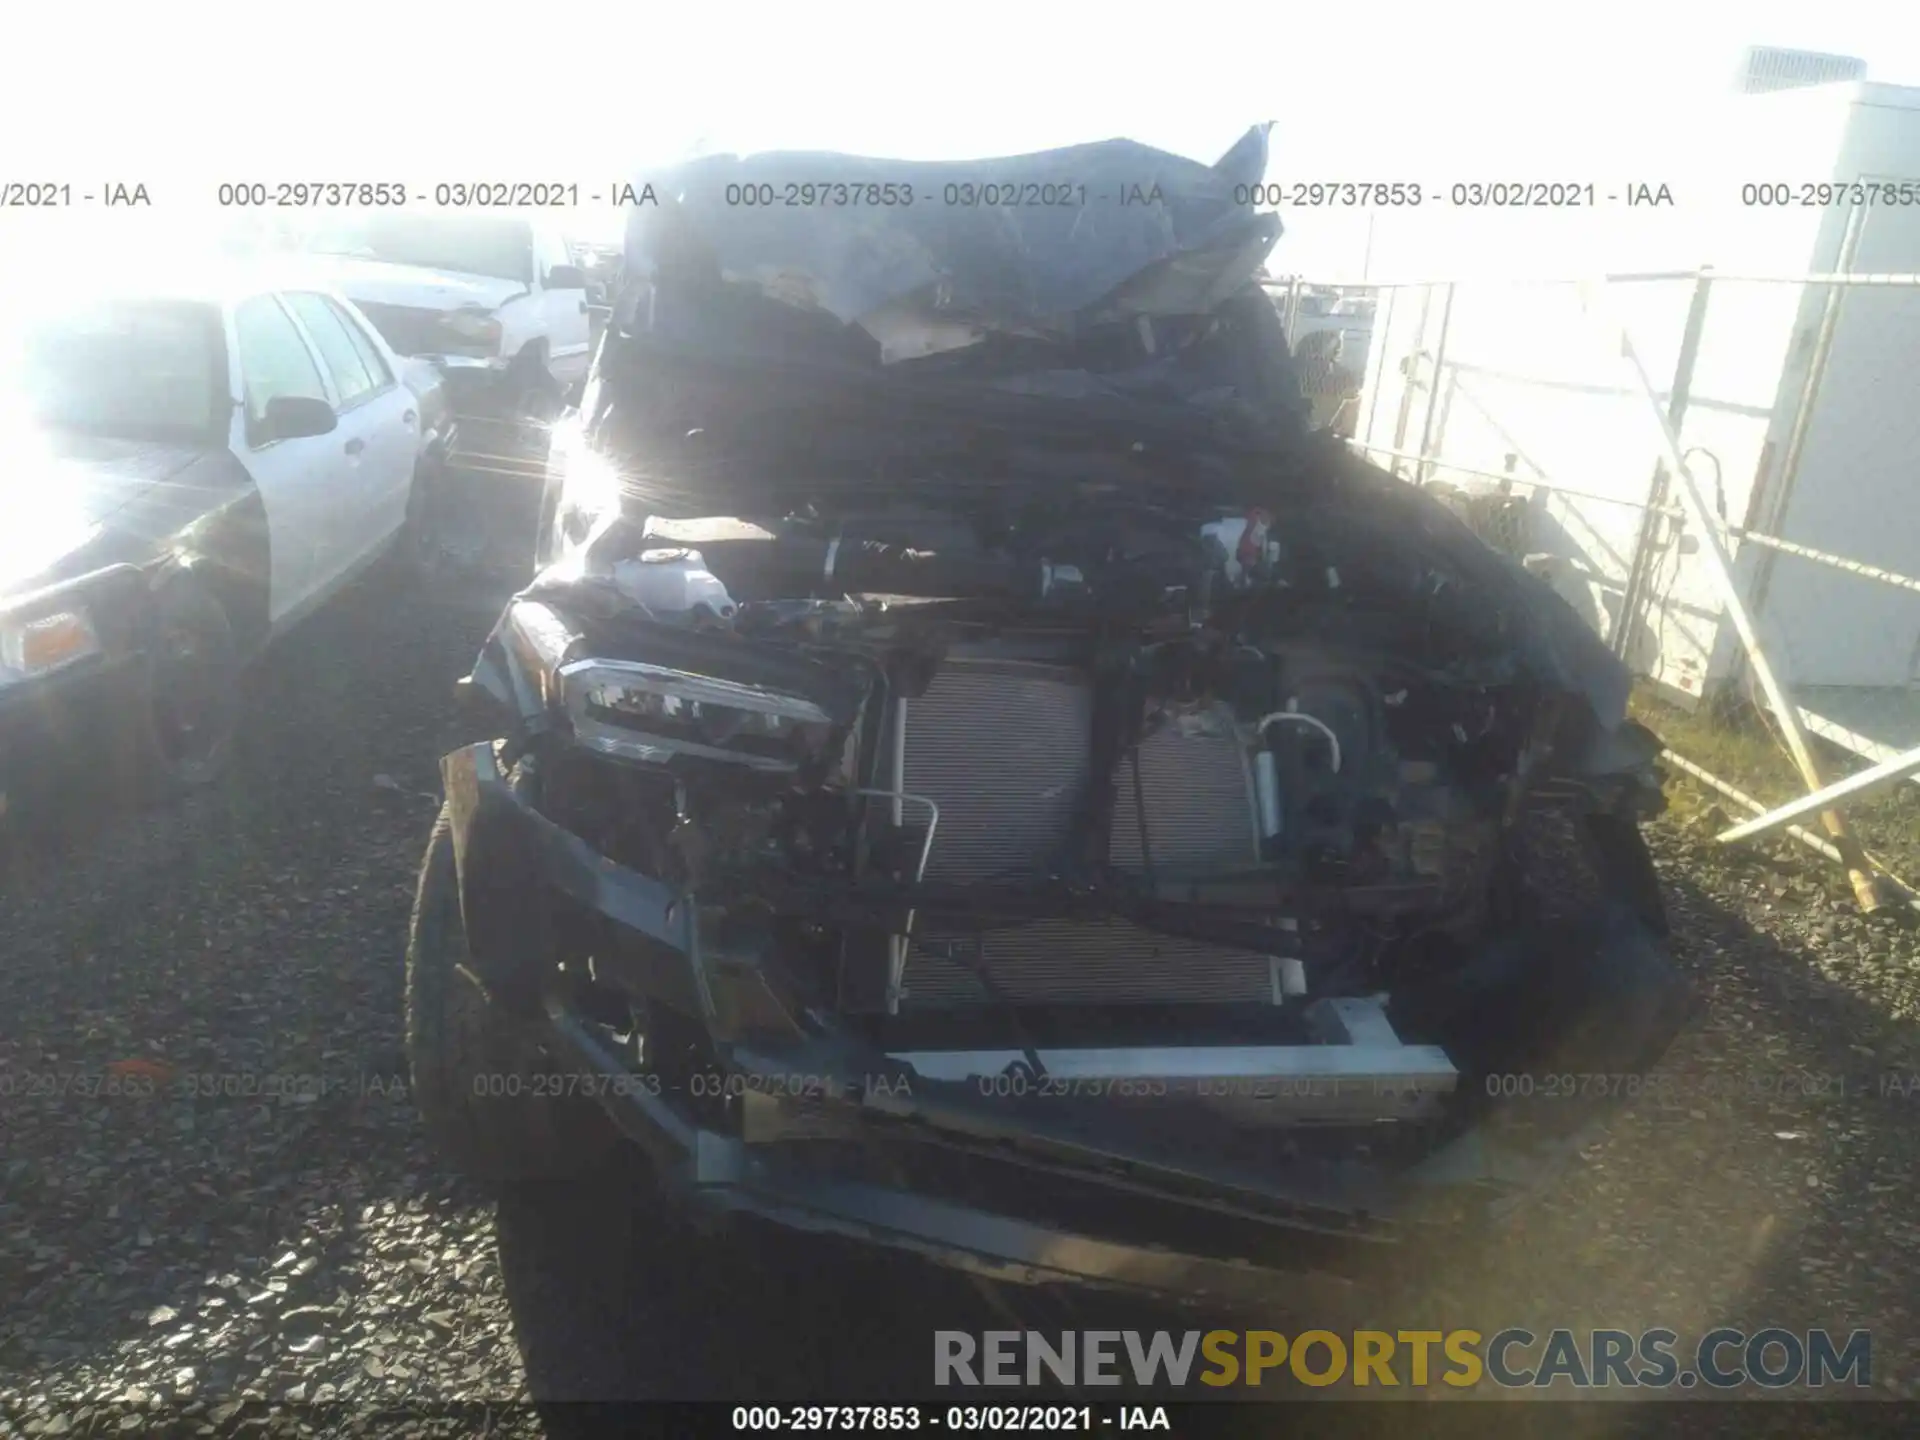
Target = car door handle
(408,418)
(355,446)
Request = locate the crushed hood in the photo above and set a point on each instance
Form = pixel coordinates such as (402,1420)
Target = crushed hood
(1098,335)
(1101,230)
(1101,297)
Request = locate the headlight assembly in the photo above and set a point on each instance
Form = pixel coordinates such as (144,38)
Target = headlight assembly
(475,328)
(48,642)
(652,714)
(649,714)
(520,662)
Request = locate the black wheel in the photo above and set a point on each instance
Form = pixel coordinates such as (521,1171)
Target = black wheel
(419,551)
(188,707)
(479,1075)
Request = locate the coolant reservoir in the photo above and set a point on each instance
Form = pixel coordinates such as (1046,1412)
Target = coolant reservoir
(670,582)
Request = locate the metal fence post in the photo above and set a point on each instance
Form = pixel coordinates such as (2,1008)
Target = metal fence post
(1424,468)
(1377,361)
(1745,624)
(1293,309)
(1878,777)
(1809,401)
(1638,589)
(1412,376)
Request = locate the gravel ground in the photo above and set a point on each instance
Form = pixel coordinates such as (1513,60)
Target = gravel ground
(207,1247)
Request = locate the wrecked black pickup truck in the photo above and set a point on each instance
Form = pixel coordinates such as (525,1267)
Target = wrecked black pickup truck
(976,774)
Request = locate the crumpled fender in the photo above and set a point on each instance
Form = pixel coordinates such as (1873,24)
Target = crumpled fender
(503,900)
(510,860)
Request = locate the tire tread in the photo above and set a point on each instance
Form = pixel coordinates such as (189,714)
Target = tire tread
(454,1037)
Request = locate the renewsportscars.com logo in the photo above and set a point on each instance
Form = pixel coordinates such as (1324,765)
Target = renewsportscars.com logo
(1721,1359)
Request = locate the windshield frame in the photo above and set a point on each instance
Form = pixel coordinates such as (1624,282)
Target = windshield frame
(335,235)
(206,316)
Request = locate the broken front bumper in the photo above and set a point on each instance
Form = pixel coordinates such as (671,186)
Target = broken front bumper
(476,387)
(838,1137)
(56,723)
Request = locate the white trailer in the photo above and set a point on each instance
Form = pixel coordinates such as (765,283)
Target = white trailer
(1811,437)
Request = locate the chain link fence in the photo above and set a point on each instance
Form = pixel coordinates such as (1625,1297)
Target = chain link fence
(1534,409)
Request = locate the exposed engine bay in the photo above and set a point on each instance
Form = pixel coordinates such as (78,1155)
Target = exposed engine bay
(1256,794)
(1131,777)
(957,671)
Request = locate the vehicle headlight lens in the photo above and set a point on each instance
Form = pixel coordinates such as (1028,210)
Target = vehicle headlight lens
(652,714)
(34,647)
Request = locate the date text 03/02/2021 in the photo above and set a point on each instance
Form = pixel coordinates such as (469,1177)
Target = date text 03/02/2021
(1459,194)
(394,194)
(1348,194)
(701,1085)
(1672,1088)
(952,1419)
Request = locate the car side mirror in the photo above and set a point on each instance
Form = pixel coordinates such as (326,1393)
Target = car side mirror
(297,417)
(566,277)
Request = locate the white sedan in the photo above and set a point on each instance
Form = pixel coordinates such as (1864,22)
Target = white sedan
(191,466)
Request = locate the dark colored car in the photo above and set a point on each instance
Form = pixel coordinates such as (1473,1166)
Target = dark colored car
(977,774)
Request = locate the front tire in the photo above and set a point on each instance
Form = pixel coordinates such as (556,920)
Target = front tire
(180,733)
(476,1071)
(419,555)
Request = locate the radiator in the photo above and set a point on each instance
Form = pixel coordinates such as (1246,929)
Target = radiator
(1079,962)
(1003,748)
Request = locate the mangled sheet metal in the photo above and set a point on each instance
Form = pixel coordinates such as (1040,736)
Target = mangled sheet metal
(869,317)
(960,678)
(883,311)
(1036,244)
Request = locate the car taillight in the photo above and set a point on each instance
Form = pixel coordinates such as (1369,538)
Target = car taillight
(473,328)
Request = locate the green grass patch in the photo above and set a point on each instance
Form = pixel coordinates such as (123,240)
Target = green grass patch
(1740,746)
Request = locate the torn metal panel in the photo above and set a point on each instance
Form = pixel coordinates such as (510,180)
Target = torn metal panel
(1019,242)
(987,781)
